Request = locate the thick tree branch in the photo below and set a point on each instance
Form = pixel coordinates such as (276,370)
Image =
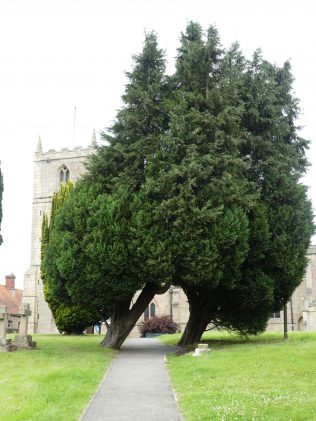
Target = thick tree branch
(163,289)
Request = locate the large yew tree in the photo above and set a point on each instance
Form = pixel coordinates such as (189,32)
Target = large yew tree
(225,188)
(251,108)
(198,185)
(96,249)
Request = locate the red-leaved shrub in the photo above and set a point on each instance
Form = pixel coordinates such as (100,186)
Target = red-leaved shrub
(162,324)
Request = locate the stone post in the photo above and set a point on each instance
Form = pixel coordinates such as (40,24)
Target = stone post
(23,340)
(25,313)
(5,344)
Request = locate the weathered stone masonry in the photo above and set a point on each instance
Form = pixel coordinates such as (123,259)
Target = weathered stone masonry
(50,169)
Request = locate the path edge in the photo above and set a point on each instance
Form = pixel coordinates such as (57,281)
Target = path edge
(171,385)
(85,410)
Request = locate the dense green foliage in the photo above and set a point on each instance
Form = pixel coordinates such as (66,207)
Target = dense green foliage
(91,240)
(69,317)
(197,184)
(246,112)
(73,318)
(1,192)
(96,248)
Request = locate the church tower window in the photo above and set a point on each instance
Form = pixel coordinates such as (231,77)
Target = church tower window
(64,174)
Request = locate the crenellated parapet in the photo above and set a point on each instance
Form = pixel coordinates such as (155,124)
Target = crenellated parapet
(64,153)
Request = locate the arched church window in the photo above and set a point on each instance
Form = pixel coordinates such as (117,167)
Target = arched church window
(152,310)
(64,174)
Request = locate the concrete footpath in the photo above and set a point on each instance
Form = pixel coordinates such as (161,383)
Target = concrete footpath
(136,387)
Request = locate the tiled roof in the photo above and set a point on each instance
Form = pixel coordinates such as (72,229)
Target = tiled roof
(11,298)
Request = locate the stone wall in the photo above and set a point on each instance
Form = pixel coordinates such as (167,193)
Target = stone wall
(301,310)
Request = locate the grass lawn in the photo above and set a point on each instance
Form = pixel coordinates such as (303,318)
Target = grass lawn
(263,378)
(53,382)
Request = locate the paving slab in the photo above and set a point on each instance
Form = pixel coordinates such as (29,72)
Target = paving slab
(136,386)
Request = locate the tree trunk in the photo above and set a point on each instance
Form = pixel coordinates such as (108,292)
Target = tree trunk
(117,332)
(198,319)
(123,318)
(194,329)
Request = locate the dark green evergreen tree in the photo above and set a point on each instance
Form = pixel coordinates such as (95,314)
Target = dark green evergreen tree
(277,156)
(93,250)
(280,218)
(131,143)
(69,317)
(231,130)
(198,185)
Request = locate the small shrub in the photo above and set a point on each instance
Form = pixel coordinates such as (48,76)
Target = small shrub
(74,319)
(162,324)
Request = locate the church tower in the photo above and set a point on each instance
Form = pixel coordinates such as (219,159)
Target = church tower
(51,168)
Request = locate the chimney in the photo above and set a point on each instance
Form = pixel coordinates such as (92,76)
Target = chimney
(10,281)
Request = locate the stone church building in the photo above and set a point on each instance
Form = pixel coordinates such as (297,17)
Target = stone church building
(52,168)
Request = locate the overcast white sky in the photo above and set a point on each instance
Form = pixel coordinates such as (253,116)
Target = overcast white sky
(57,55)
